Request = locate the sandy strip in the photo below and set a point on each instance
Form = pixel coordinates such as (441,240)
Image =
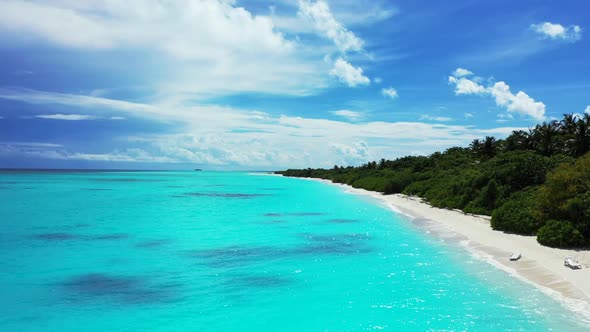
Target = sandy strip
(540,266)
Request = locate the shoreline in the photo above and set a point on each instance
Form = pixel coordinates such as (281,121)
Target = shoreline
(539,266)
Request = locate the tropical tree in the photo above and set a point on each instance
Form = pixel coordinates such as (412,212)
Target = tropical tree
(568,124)
(484,149)
(476,147)
(489,147)
(518,140)
(566,195)
(578,142)
(545,137)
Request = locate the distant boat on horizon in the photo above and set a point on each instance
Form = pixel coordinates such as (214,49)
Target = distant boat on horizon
(198,169)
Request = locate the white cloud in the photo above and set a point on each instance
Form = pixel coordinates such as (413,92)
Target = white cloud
(199,50)
(319,13)
(128,155)
(378,80)
(5,145)
(48,98)
(557,31)
(355,13)
(435,118)
(389,92)
(468,115)
(461,72)
(59,152)
(504,117)
(465,86)
(73,117)
(182,28)
(352,154)
(351,115)
(520,102)
(304,142)
(587,111)
(266,140)
(201,45)
(193,44)
(348,74)
(66,117)
(348,13)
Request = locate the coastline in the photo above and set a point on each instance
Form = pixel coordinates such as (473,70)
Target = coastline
(540,266)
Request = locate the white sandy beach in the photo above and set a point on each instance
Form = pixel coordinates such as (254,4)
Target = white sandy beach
(541,266)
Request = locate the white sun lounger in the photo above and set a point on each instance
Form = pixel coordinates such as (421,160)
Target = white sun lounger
(572,263)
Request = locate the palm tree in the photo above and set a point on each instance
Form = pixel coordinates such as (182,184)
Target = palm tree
(568,124)
(476,147)
(484,148)
(518,140)
(579,142)
(545,137)
(489,147)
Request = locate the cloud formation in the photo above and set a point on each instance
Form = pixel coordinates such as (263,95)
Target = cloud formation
(59,152)
(204,59)
(435,118)
(74,117)
(557,31)
(66,117)
(48,98)
(238,137)
(389,92)
(460,72)
(319,14)
(351,115)
(519,103)
(465,86)
(504,117)
(183,28)
(197,41)
(348,74)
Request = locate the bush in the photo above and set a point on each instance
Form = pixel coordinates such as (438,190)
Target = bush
(486,200)
(398,182)
(517,215)
(417,188)
(565,195)
(559,159)
(578,211)
(560,234)
(518,169)
(372,183)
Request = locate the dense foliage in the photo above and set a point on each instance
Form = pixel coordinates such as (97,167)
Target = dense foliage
(559,234)
(535,182)
(519,213)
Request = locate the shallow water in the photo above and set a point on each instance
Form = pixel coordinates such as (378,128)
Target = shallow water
(224,251)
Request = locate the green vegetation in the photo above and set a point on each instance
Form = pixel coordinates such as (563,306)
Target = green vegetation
(519,213)
(535,182)
(559,234)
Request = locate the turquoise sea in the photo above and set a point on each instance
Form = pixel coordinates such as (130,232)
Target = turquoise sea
(229,251)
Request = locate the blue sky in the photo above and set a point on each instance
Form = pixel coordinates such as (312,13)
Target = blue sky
(271,84)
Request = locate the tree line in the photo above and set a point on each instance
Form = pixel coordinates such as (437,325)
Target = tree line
(534,182)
